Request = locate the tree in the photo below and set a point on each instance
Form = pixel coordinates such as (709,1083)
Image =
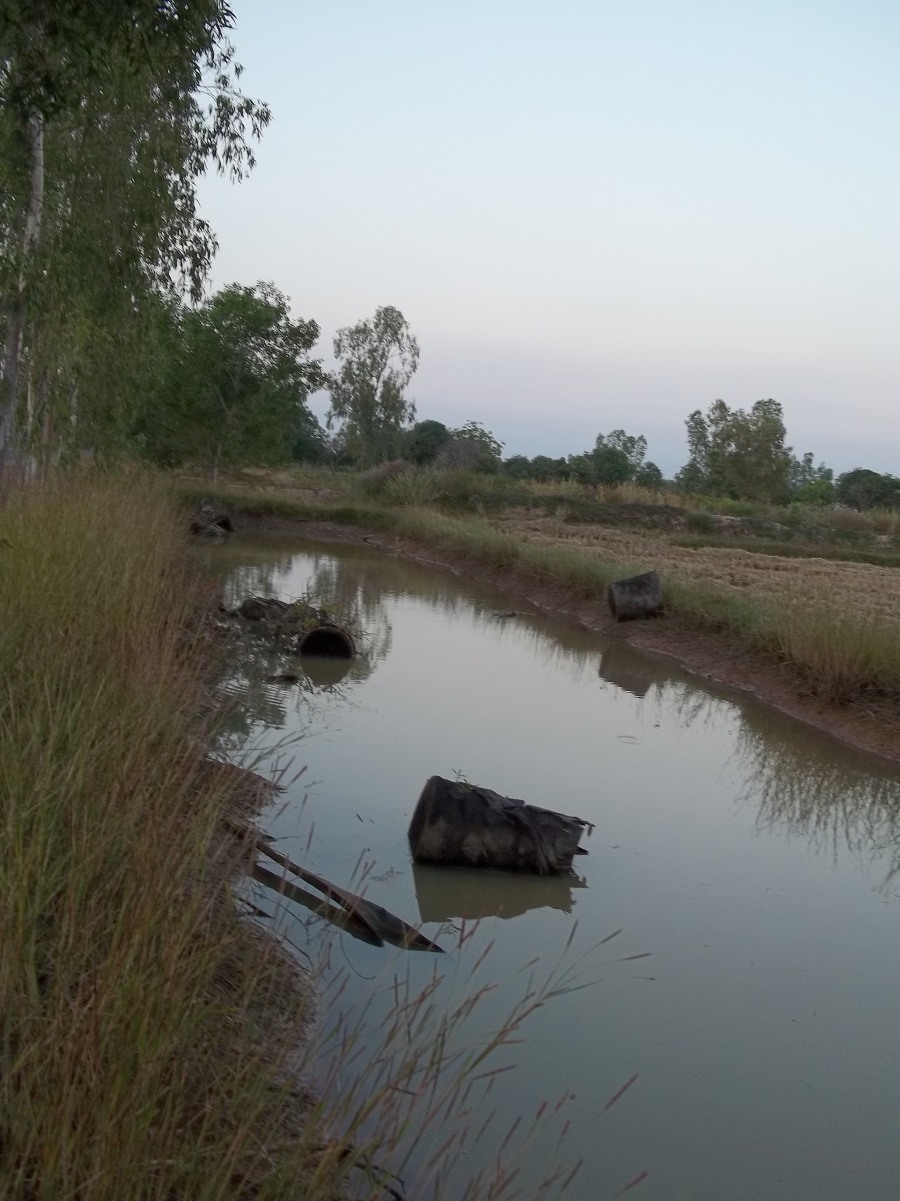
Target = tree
(425,440)
(738,454)
(582,469)
(239,373)
(517,467)
(471,448)
(110,111)
(865,489)
(610,465)
(377,360)
(648,475)
(544,469)
(811,485)
(633,447)
(616,457)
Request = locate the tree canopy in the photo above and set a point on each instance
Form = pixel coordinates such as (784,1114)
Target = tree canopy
(109,114)
(738,453)
(472,448)
(376,360)
(233,379)
(865,489)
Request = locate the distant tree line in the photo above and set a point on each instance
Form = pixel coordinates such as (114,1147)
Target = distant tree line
(110,113)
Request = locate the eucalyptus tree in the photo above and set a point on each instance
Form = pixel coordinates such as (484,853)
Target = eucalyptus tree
(376,360)
(738,453)
(110,112)
(232,381)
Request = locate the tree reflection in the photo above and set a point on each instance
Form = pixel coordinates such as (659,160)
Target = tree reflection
(799,782)
(263,681)
(802,785)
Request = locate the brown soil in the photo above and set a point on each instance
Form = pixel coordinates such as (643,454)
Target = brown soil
(872,727)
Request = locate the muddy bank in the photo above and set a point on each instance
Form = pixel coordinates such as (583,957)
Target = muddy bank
(870,727)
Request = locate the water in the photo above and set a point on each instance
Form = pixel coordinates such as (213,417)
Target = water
(750,859)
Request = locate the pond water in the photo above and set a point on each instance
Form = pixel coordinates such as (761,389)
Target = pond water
(749,860)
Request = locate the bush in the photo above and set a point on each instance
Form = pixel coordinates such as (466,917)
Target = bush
(703,523)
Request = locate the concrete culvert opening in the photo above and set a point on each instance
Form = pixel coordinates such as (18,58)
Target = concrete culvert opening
(330,642)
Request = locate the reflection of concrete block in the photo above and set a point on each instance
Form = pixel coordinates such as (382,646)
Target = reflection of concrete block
(447,893)
(628,669)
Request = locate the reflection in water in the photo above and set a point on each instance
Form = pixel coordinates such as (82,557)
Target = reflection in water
(632,673)
(800,783)
(807,787)
(265,684)
(324,671)
(735,846)
(447,893)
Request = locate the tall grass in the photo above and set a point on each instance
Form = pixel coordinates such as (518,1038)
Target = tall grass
(139,1054)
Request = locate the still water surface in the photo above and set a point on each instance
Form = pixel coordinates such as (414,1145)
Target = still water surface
(749,858)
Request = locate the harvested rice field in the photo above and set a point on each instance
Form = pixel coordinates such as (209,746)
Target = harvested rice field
(860,590)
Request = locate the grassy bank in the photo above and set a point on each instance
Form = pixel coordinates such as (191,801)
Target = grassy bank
(145,1025)
(833,623)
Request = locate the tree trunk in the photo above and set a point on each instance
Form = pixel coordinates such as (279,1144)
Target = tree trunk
(12,358)
(639,596)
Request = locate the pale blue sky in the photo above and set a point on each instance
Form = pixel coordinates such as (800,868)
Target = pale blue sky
(593,213)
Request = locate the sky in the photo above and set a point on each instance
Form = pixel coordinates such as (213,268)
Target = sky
(594,214)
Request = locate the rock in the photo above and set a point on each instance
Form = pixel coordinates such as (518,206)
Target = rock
(456,823)
(210,522)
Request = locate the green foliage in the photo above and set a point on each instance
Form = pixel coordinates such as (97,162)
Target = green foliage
(648,475)
(109,115)
(233,381)
(377,358)
(864,489)
(471,448)
(703,523)
(517,467)
(610,465)
(738,453)
(811,484)
(424,441)
(630,447)
(544,469)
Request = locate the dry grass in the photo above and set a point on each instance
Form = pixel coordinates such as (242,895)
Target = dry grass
(857,591)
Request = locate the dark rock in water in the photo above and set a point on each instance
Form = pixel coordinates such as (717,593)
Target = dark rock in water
(210,522)
(638,596)
(466,825)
